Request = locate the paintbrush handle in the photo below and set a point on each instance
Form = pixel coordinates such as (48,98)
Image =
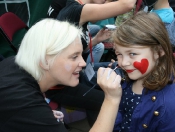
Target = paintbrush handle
(90,89)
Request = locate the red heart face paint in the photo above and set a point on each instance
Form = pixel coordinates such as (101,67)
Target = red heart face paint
(141,66)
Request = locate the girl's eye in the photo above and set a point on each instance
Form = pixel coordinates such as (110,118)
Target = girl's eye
(118,54)
(133,54)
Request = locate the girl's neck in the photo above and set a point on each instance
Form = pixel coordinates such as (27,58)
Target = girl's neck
(137,87)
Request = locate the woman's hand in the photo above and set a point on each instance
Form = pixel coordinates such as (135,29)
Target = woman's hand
(59,115)
(109,81)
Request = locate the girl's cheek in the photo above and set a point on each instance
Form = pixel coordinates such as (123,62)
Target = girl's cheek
(142,66)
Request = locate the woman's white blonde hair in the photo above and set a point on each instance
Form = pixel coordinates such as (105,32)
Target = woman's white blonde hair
(46,37)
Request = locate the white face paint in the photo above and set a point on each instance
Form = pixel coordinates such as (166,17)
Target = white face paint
(68,67)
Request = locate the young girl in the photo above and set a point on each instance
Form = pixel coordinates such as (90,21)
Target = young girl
(144,52)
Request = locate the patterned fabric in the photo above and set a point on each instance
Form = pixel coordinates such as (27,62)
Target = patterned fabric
(129,100)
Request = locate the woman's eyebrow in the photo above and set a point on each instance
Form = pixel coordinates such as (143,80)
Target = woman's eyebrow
(75,53)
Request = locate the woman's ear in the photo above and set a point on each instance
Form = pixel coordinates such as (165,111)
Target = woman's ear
(44,66)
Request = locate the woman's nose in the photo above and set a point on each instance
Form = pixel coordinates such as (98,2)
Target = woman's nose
(82,63)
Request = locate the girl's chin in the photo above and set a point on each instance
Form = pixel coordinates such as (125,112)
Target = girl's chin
(132,77)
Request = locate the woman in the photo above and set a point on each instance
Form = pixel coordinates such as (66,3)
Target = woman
(47,58)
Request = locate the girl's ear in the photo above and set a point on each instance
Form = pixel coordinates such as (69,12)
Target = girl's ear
(161,51)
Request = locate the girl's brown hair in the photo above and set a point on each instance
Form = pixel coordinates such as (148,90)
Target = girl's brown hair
(147,29)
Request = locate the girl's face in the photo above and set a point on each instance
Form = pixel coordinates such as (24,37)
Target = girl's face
(137,61)
(67,65)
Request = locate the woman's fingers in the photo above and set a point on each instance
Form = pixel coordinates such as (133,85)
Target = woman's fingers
(58,114)
(107,77)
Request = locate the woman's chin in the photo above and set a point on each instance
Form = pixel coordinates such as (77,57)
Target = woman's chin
(74,84)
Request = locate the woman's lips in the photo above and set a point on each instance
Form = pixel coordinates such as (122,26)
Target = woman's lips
(129,71)
(76,74)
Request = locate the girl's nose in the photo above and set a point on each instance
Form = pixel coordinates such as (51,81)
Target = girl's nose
(125,61)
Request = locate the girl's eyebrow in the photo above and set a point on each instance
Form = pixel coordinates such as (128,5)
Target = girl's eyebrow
(131,49)
(124,51)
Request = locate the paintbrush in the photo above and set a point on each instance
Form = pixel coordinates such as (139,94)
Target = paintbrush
(97,84)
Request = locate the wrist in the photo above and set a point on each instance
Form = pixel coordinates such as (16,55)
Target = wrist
(94,41)
(114,101)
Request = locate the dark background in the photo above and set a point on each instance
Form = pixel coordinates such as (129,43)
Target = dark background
(30,11)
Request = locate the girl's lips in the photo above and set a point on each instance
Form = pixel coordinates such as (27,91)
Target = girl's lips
(129,71)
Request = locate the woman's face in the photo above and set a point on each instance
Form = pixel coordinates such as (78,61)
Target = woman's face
(67,65)
(137,61)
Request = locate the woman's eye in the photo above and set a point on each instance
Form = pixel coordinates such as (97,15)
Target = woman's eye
(74,57)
